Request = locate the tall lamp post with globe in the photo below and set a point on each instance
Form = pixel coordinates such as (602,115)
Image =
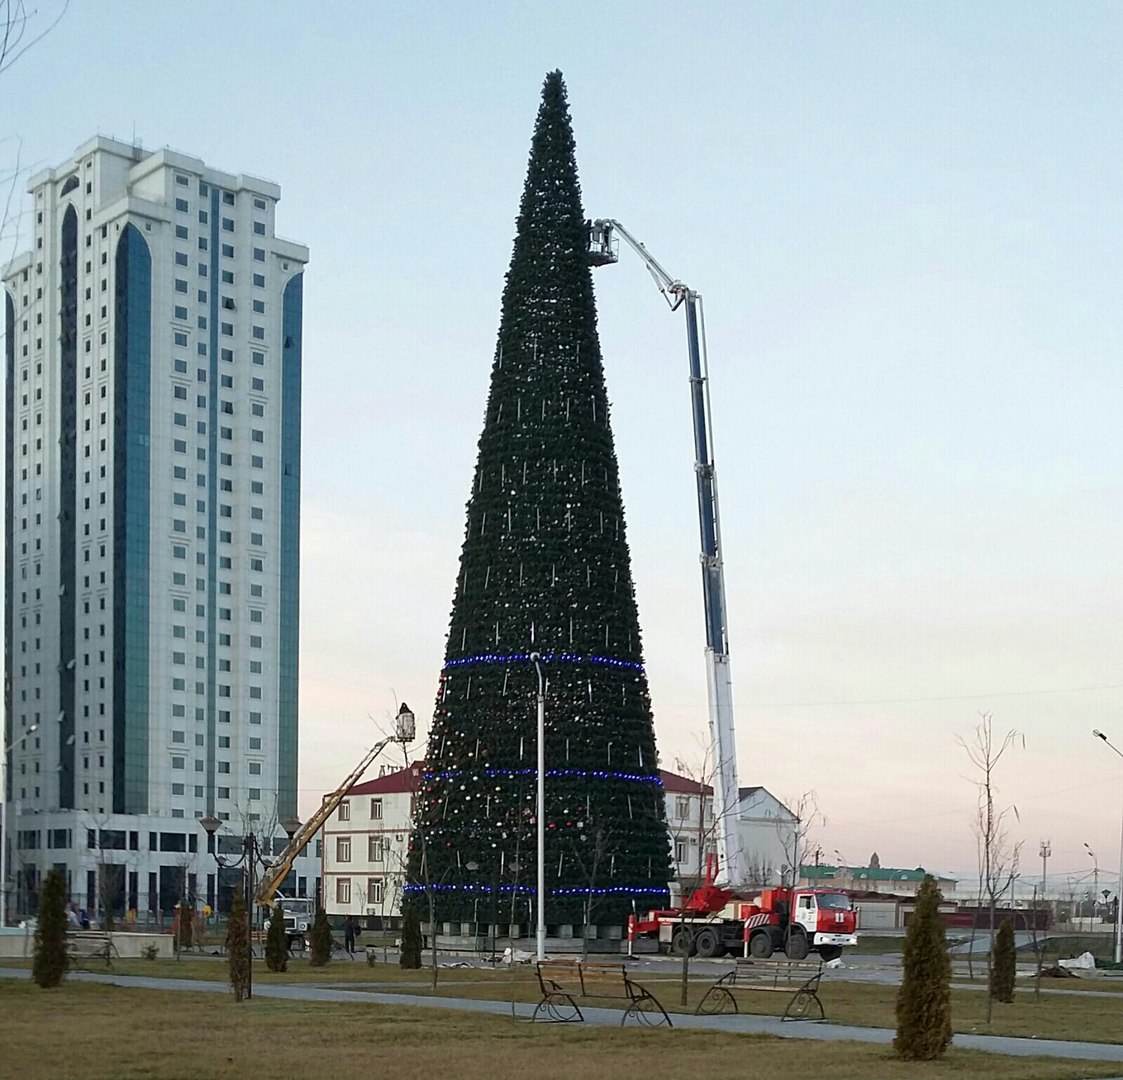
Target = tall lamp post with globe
(252,857)
(1119,889)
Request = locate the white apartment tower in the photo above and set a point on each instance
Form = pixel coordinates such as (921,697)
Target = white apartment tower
(153,351)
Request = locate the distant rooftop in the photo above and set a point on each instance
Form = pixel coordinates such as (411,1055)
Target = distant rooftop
(879,874)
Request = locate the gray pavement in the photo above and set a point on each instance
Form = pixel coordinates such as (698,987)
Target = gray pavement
(736,1024)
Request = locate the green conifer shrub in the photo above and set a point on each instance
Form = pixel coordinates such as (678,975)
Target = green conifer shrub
(411,939)
(1003,964)
(49,965)
(276,941)
(237,944)
(320,945)
(924,997)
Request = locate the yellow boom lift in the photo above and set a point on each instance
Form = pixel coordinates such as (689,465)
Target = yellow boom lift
(404,731)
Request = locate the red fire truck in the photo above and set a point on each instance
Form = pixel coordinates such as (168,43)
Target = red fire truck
(713,922)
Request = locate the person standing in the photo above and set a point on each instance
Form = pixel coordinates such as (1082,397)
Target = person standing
(349,935)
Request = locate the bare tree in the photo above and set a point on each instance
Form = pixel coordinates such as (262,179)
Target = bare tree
(590,852)
(701,826)
(21,28)
(794,834)
(1039,941)
(419,829)
(998,854)
(759,872)
(19,31)
(707,822)
(113,860)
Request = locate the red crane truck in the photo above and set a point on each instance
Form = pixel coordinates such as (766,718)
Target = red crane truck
(794,921)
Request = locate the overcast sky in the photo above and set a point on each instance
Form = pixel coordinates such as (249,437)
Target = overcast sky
(905,221)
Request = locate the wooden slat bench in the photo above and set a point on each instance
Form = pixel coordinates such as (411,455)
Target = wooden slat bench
(89,945)
(563,981)
(798,978)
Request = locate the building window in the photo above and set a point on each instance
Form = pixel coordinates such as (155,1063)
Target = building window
(374,849)
(374,891)
(345,810)
(680,851)
(343,849)
(682,806)
(343,890)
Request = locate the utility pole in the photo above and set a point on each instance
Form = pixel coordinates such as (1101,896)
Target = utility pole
(1045,852)
(1095,879)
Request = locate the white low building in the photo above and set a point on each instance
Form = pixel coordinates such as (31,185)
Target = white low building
(366,841)
(765,829)
(365,847)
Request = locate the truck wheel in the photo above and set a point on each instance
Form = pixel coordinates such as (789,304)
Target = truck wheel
(830,952)
(798,945)
(682,944)
(760,945)
(706,943)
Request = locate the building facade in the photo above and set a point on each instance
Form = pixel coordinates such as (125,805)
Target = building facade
(873,879)
(764,829)
(365,843)
(153,351)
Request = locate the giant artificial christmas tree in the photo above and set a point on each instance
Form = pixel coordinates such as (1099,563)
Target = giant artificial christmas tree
(544,569)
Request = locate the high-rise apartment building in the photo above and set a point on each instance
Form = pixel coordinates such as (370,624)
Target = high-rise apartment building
(153,350)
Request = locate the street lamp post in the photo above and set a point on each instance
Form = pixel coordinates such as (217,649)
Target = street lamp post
(541,934)
(1119,888)
(1095,879)
(4,822)
(472,866)
(251,857)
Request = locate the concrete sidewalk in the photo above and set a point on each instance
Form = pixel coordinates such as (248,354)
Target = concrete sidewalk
(736,1024)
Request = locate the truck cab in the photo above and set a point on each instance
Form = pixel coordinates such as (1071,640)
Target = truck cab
(299,913)
(828,920)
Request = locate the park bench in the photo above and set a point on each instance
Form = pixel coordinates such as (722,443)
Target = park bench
(89,945)
(563,981)
(797,978)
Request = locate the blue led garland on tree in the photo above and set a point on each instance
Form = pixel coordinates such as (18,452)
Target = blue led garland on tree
(544,568)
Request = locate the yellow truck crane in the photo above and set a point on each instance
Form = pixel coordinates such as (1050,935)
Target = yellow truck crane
(298,917)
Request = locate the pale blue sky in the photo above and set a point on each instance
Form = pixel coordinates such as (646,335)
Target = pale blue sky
(905,222)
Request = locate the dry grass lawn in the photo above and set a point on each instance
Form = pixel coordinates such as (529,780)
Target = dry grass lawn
(93,1032)
(1055,1016)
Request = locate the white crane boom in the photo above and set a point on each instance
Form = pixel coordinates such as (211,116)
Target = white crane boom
(719,678)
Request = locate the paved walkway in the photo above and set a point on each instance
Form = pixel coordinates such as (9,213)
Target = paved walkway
(736,1024)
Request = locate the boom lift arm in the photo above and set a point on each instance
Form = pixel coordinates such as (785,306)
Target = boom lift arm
(719,679)
(403,733)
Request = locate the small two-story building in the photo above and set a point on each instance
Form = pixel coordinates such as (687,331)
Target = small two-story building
(365,845)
